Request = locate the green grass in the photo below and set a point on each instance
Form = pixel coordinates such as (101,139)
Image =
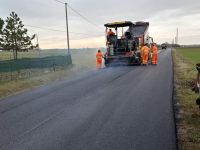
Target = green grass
(189,125)
(40,78)
(5,55)
(81,57)
(83,60)
(191,54)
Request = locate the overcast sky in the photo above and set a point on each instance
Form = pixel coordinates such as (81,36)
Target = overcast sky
(164,17)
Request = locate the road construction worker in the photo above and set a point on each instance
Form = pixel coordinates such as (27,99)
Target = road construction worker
(145,54)
(197,81)
(141,49)
(197,86)
(198,75)
(154,54)
(99,57)
(111,33)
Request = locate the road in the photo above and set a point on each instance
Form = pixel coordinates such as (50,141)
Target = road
(119,108)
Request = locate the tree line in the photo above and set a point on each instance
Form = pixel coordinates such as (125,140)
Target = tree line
(14,36)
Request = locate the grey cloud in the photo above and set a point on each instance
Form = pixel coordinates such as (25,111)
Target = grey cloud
(48,13)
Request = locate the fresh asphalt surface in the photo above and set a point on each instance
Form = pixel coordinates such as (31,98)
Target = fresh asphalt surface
(119,108)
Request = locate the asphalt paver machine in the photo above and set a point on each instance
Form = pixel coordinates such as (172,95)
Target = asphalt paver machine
(124,46)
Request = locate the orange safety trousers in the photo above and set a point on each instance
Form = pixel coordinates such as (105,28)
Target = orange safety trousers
(155,58)
(99,60)
(145,56)
(155,55)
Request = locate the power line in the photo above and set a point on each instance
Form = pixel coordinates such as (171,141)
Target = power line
(83,17)
(50,29)
(76,39)
(44,28)
(56,30)
(59,1)
(87,37)
(78,13)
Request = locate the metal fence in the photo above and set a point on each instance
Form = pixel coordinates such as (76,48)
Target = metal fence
(27,67)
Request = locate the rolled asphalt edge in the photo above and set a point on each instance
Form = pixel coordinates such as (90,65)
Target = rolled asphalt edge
(175,104)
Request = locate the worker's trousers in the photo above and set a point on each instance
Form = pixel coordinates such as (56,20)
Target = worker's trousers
(99,64)
(145,59)
(154,58)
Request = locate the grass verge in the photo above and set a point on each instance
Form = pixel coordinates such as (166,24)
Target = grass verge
(188,122)
(9,88)
(83,60)
(16,86)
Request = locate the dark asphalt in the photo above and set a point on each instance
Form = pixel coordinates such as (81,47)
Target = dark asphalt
(120,108)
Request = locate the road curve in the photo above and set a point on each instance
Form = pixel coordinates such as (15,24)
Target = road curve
(120,108)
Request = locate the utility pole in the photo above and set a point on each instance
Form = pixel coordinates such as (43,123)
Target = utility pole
(67,26)
(67,29)
(37,41)
(173,42)
(177,36)
(38,44)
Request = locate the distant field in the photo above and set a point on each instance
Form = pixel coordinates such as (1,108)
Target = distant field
(32,54)
(189,116)
(82,58)
(191,54)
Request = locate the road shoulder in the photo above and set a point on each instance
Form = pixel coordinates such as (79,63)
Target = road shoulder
(187,112)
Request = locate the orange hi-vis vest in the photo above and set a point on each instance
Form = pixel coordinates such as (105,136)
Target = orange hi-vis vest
(145,50)
(154,49)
